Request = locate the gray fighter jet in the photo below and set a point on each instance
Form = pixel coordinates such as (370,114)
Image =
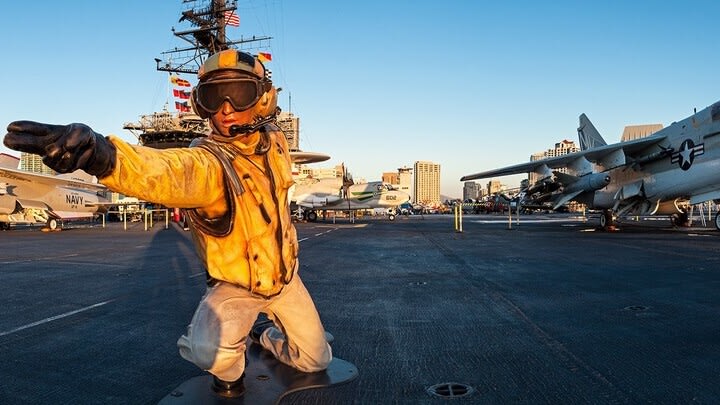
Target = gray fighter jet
(661,174)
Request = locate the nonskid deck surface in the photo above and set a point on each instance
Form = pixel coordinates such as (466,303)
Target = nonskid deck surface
(544,312)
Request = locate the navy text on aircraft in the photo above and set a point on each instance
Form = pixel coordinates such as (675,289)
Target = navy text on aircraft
(30,198)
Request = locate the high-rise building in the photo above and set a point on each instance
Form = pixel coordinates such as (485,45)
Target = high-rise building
(561,148)
(494,186)
(426,187)
(405,180)
(33,163)
(470,191)
(289,123)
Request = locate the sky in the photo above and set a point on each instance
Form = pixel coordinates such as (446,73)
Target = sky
(472,85)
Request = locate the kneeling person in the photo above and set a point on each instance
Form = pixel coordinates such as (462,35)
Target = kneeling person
(234,186)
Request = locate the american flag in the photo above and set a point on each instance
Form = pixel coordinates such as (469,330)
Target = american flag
(231,18)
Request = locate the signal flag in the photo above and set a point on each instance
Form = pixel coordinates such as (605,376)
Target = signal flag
(181,94)
(182,107)
(179,82)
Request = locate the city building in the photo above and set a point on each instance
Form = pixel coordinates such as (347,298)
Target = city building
(33,163)
(405,179)
(470,191)
(561,148)
(321,172)
(494,186)
(400,180)
(639,131)
(426,187)
(391,178)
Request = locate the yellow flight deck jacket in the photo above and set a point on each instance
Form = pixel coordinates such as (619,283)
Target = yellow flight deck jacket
(243,234)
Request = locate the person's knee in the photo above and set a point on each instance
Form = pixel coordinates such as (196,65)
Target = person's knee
(318,360)
(202,354)
(228,364)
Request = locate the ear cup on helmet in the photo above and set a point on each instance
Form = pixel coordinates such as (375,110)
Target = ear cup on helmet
(267,104)
(193,103)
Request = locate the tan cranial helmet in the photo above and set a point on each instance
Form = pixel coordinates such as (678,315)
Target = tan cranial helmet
(236,77)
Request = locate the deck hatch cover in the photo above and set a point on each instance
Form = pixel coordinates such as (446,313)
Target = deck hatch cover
(450,390)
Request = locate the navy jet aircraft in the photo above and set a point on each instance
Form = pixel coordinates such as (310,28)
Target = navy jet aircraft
(652,175)
(28,198)
(343,194)
(331,195)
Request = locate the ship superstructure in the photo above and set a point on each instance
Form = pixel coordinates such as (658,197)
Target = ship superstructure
(166,129)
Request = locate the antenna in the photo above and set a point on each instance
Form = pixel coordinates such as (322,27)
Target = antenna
(206,37)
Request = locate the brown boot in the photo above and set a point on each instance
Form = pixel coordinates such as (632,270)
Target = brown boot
(229,389)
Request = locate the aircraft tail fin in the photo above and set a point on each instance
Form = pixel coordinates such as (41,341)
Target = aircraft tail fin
(588,136)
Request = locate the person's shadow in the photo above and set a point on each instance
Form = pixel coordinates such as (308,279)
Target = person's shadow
(165,287)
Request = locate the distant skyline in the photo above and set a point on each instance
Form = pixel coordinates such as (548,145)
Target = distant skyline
(470,85)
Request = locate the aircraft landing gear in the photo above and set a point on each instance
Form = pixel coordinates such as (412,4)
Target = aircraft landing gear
(607,220)
(681,219)
(391,217)
(4,226)
(52,224)
(717,221)
(311,216)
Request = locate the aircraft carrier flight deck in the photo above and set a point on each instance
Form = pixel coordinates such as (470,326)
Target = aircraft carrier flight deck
(550,311)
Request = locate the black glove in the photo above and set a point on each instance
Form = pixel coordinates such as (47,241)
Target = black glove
(64,148)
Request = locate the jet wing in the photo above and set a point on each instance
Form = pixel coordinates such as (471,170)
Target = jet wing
(515,169)
(621,154)
(50,180)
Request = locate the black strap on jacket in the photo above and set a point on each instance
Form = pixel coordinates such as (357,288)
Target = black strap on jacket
(223,225)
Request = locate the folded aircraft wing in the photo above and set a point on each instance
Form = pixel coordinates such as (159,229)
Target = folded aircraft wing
(608,156)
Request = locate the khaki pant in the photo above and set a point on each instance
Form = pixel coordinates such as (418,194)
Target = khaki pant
(216,337)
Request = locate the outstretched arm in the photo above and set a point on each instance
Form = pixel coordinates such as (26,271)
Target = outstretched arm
(176,177)
(64,148)
(183,178)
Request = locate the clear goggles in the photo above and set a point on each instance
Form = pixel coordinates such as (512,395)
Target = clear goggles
(241,93)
